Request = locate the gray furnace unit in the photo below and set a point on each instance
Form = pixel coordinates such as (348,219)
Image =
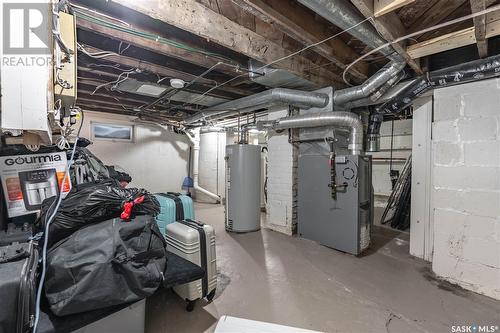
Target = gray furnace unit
(334,198)
(334,194)
(242,188)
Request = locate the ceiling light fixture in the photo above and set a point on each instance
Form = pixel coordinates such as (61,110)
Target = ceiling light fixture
(177,83)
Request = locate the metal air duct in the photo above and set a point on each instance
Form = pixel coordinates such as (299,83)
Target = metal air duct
(370,86)
(343,14)
(265,99)
(323,119)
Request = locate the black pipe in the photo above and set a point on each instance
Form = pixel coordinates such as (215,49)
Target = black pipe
(467,72)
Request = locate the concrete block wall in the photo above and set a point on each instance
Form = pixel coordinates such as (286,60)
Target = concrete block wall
(466,185)
(279,207)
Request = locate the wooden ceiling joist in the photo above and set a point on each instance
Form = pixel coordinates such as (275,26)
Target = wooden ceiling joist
(455,39)
(301,26)
(480,27)
(155,46)
(442,43)
(195,18)
(382,7)
(157,69)
(390,28)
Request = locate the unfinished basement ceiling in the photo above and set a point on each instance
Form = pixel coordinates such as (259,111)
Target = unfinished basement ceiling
(130,44)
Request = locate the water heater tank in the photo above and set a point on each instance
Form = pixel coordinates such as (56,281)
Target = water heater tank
(243,188)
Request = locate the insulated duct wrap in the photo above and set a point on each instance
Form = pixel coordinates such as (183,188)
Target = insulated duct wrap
(471,71)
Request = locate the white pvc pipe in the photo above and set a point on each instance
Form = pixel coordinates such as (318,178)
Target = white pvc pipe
(195,141)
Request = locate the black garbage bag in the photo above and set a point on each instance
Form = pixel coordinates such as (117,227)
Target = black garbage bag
(95,202)
(105,264)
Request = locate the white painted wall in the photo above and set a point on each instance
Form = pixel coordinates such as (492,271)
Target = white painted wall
(466,185)
(156,160)
(402,144)
(279,208)
(212,164)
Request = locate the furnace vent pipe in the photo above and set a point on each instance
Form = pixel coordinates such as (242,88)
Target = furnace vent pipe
(324,119)
(195,141)
(265,99)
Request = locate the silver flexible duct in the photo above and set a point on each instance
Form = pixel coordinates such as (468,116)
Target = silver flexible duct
(376,96)
(265,99)
(370,86)
(324,119)
(343,14)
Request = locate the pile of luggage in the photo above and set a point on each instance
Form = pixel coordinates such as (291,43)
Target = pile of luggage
(107,245)
(104,247)
(191,240)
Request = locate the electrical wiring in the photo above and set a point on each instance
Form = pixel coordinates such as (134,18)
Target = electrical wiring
(48,221)
(120,51)
(279,60)
(118,80)
(148,35)
(98,13)
(97,55)
(420,32)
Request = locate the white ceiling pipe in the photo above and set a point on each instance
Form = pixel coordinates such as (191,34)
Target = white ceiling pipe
(195,141)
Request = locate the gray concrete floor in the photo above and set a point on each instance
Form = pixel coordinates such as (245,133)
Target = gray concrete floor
(272,277)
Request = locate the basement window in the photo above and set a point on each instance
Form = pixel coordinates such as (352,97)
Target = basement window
(112,132)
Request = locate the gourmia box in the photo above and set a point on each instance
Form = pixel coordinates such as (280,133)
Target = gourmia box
(27,180)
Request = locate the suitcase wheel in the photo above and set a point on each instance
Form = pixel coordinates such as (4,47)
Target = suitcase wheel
(190,305)
(210,296)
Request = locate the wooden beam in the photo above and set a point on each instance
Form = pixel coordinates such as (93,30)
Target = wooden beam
(442,43)
(382,7)
(455,39)
(154,46)
(390,27)
(195,18)
(163,71)
(480,27)
(146,66)
(301,26)
(205,83)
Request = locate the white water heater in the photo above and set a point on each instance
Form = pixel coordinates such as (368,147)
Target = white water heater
(243,179)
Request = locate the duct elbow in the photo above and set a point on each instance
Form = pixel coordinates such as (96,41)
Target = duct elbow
(326,119)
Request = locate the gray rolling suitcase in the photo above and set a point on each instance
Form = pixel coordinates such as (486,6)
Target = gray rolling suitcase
(194,241)
(18,265)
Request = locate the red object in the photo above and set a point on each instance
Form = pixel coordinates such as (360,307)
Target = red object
(127,207)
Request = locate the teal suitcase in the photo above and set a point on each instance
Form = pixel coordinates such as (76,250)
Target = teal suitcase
(173,207)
